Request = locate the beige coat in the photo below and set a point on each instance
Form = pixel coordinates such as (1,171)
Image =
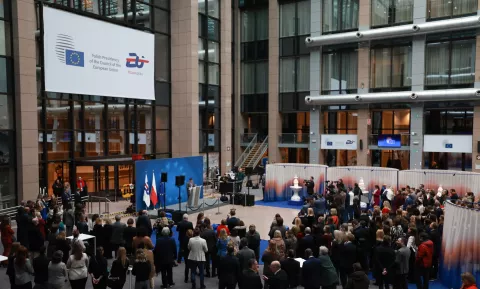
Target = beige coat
(149,255)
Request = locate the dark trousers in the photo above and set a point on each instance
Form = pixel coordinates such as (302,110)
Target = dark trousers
(167,277)
(187,267)
(193,266)
(226,285)
(434,271)
(400,281)
(422,273)
(344,276)
(211,255)
(78,284)
(180,254)
(383,281)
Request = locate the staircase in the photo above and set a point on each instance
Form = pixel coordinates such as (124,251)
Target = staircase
(251,155)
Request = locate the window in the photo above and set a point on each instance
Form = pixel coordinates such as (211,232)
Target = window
(340,15)
(254,77)
(295,74)
(391,12)
(254,35)
(391,68)
(451,8)
(450,62)
(449,121)
(295,19)
(340,122)
(339,71)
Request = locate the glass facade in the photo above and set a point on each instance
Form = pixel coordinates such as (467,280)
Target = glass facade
(209,75)
(458,68)
(391,12)
(438,9)
(7,108)
(340,15)
(294,56)
(339,70)
(75,130)
(340,122)
(391,66)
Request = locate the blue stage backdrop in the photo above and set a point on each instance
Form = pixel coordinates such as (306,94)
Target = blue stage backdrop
(190,167)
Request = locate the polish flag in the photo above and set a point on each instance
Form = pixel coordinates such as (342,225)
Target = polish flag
(153,192)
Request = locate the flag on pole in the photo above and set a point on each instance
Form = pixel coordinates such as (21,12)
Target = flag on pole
(153,193)
(146,193)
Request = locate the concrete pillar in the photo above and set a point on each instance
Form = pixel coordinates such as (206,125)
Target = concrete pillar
(419,11)
(24,57)
(184,53)
(364,12)
(416,136)
(363,130)
(475,139)
(274,117)
(477,63)
(418,62)
(226,85)
(316,116)
(363,68)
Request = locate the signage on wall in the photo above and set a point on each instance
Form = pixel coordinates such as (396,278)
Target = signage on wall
(478,157)
(389,141)
(447,143)
(339,141)
(99,59)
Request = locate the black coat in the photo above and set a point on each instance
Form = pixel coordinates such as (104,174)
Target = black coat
(128,234)
(182,228)
(144,222)
(358,280)
(384,258)
(311,277)
(40,267)
(278,281)
(349,257)
(211,237)
(165,252)
(99,234)
(307,242)
(292,268)
(229,270)
(250,280)
(120,271)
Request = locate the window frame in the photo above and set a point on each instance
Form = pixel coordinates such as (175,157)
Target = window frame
(340,50)
(450,16)
(341,30)
(389,24)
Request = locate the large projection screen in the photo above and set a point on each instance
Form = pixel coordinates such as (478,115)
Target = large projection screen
(92,57)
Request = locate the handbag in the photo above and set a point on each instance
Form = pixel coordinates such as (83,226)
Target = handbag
(113,282)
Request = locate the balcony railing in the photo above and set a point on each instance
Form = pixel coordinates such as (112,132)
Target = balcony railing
(404,139)
(294,138)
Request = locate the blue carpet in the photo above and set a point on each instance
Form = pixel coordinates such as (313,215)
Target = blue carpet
(278,204)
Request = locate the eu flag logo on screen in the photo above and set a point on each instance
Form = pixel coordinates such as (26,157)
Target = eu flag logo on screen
(74,58)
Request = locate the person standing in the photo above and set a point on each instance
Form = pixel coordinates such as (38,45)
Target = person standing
(182,227)
(244,254)
(40,267)
(250,278)
(107,234)
(310,184)
(7,235)
(77,266)
(358,279)
(144,222)
(384,263)
(196,257)
(141,270)
(402,259)
(68,218)
(329,278)
(468,281)
(117,234)
(292,268)
(279,279)
(211,237)
(423,262)
(118,272)
(97,267)
(311,273)
(253,238)
(228,270)
(57,272)
(128,234)
(165,254)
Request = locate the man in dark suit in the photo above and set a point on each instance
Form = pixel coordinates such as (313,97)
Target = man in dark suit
(165,253)
(40,266)
(307,242)
(128,233)
(144,222)
(349,257)
(228,270)
(182,227)
(250,278)
(279,280)
(117,233)
(244,254)
(292,268)
(362,239)
(311,271)
(211,237)
(232,221)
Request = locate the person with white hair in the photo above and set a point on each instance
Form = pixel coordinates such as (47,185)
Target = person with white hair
(165,254)
(279,278)
(117,234)
(182,228)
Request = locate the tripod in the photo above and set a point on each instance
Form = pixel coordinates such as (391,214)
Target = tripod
(179,198)
(164,196)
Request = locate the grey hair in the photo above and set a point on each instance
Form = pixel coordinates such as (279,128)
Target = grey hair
(323,250)
(117,218)
(277,234)
(185,216)
(165,231)
(308,230)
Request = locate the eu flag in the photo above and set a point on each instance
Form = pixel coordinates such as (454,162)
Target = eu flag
(74,58)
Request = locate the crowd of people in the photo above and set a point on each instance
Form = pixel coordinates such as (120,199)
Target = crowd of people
(339,239)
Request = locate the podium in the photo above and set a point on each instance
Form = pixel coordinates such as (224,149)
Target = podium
(194,196)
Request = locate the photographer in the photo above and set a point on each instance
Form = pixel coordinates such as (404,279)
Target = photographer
(310,184)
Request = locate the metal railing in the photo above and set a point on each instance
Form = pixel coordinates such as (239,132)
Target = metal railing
(258,154)
(246,152)
(294,138)
(404,139)
(246,138)
(10,212)
(99,200)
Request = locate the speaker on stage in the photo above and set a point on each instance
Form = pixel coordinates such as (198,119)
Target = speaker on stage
(164,178)
(250,201)
(177,215)
(179,181)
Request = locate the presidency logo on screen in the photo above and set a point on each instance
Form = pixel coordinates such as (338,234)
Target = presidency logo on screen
(74,58)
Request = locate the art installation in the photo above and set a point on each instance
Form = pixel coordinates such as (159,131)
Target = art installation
(295,199)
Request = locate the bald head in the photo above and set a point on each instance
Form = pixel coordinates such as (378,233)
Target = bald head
(275,266)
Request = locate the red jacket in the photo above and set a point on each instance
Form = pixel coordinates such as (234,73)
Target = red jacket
(425,254)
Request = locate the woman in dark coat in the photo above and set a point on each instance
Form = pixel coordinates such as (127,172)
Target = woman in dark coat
(98,232)
(119,269)
(63,245)
(107,234)
(383,263)
(97,268)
